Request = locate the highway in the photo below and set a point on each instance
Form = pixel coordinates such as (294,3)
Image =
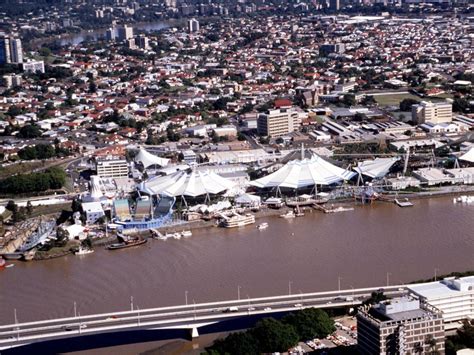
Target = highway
(191,316)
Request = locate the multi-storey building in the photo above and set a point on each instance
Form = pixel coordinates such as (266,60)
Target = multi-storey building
(400,326)
(193,25)
(112,168)
(454,297)
(277,123)
(431,112)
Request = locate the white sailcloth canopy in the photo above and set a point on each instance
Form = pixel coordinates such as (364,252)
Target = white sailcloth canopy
(183,183)
(301,173)
(147,159)
(377,168)
(469,156)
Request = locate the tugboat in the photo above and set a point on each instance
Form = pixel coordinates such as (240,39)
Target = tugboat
(126,243)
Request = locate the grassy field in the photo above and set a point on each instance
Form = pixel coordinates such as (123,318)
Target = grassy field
(19,168)
(394,100)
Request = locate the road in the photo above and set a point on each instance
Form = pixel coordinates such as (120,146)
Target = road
(190,316)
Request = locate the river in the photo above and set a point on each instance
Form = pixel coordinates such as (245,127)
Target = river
(360,247)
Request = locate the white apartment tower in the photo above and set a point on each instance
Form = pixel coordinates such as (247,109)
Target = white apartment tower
(277,123)
(432,112)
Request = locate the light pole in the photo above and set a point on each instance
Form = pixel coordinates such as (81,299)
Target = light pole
(436,274)
(289,287)
(248,299)
(16,323)
(138,309)
(194,309)
(388,278)
(339,278)
(131,303)
(238,292)
(352,287)
(75,310)
(186,297)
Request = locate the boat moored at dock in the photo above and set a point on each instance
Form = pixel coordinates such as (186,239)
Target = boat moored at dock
(236,220)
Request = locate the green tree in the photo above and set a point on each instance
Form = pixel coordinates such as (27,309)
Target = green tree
(273,336)
(310,323)
(406,104)
(29,131)
(241,343)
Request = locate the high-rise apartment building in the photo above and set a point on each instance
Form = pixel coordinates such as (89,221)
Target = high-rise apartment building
(193,25)
(124,32)
(277,123)
(16,50)
(11,50)
(432,112)
(400,326)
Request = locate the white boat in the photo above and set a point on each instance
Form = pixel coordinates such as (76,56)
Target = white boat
(169,235)
(263,225)
(237,220)
(83,251)
(186,234)
(289,214)
(177,235)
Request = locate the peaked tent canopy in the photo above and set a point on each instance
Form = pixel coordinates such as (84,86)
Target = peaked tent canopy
(184,183)
(148,159)
(469,156)
(377,168)
(302,173)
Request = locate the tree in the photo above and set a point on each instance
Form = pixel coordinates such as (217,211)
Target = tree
(349,100)
(310,323)
(29,131)
(406,104)
(29,208)
(241,343)
(273,336)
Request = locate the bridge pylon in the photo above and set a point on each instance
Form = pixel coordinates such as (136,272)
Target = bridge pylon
(194,332)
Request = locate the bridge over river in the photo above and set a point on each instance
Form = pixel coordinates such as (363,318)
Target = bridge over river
(191,316)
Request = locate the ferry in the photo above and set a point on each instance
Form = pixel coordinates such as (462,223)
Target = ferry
(83,251)
(263,225)
(127,244)
(237,220)
(289,214)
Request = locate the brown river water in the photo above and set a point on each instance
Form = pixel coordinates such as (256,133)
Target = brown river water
(359,246)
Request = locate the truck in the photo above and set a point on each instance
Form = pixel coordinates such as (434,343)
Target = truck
(231,310)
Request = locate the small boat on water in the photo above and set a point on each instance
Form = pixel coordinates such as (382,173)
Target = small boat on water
(299,214)
(263,225)
(128,243)
(9,266)
(289,214)
(12,256)
(83,251)
(338,209)
(186,233)
(177,235)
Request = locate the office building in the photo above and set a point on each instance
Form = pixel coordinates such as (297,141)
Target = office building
(112,168)
(454,297)
(432,112)
(277,123)
(34,66)
(124,32)
(193,25)
(400,326)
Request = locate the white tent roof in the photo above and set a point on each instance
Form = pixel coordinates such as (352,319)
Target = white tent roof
(182,183)
(306,172)
(377,168)
(469,156)
(147,159)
